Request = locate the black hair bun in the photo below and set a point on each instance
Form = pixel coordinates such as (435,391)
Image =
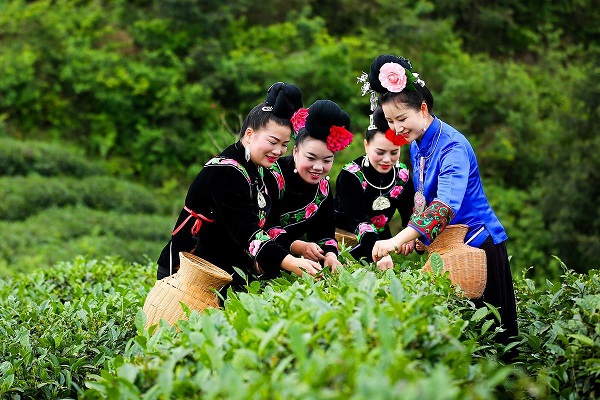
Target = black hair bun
(285,99)
(379,120)
(376,66)
(322,115)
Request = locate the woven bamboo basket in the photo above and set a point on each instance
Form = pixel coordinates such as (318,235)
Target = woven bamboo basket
(194,284)
(348,238)
(466,264)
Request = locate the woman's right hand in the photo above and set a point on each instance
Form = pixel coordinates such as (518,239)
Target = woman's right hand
(300,265)
(309,250)
(382,248)
(385,263)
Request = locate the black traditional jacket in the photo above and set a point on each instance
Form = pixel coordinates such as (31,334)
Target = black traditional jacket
(303,211)
(225,211)
(366,201)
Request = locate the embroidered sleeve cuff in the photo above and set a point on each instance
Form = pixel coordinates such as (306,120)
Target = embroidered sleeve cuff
(432,221)
(365,229)
(329,245)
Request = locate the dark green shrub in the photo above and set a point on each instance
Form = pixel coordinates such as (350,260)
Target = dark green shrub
(60,234)
(26,196)
(27,158)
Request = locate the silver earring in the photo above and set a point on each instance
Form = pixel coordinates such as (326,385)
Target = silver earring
(295,171)
(397,163)
(247,152)
(366,163)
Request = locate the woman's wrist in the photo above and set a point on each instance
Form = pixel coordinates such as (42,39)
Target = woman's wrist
(396,249)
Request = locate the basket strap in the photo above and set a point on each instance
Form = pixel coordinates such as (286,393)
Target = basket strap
(476,234)
(195,230)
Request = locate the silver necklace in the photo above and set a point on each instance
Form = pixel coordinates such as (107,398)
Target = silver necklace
(260,197)
(381,202)
(419,195)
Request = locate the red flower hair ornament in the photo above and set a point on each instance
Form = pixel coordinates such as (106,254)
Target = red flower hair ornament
(298,120)
(339,138)
(396,139)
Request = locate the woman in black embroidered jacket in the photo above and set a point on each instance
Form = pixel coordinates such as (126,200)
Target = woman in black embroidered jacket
(304,217)
(227,204)
(370,189)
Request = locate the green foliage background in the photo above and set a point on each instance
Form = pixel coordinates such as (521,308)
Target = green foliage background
(146,91)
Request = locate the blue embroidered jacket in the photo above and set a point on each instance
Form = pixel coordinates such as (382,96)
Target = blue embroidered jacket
(452,187)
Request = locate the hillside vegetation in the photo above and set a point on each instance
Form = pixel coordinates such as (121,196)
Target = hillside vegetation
(58,205)
(155,88)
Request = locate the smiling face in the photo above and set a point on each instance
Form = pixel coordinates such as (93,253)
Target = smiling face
(313,160)
(406,121)
(267,144)
(382,153)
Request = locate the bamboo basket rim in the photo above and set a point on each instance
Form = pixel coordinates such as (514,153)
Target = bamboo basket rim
(345,236)
(203,266)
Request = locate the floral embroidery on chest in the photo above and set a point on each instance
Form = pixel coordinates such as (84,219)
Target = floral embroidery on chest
(276,171)
(224,161)
(297,216)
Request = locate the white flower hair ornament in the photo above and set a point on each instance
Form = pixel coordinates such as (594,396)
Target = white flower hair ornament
(366,88)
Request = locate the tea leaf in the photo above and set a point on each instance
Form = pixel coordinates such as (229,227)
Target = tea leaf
(437,264)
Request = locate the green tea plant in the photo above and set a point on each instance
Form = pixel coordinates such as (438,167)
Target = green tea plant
(29,195)
(355,334)
(560,329)
(58,326)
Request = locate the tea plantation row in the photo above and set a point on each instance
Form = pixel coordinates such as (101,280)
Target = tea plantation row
(77,331)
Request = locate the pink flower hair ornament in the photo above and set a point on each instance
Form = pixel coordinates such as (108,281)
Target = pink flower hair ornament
(339,138)
(395,78)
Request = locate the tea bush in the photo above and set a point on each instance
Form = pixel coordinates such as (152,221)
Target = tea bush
(26,196)
(57,327)
(560,327)
(46,159)
(357,334)
(60,234)
(77,331)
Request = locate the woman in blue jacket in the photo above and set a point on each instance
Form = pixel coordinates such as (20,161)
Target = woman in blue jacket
(448,187)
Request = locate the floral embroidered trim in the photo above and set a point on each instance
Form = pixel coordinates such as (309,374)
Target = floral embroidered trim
(362,229)
(229,161)
(276,171)
(379,222)
(295,217)
(329,242)
(275,232)
(259,239)
(433,220)
(355,170)
(262,218)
